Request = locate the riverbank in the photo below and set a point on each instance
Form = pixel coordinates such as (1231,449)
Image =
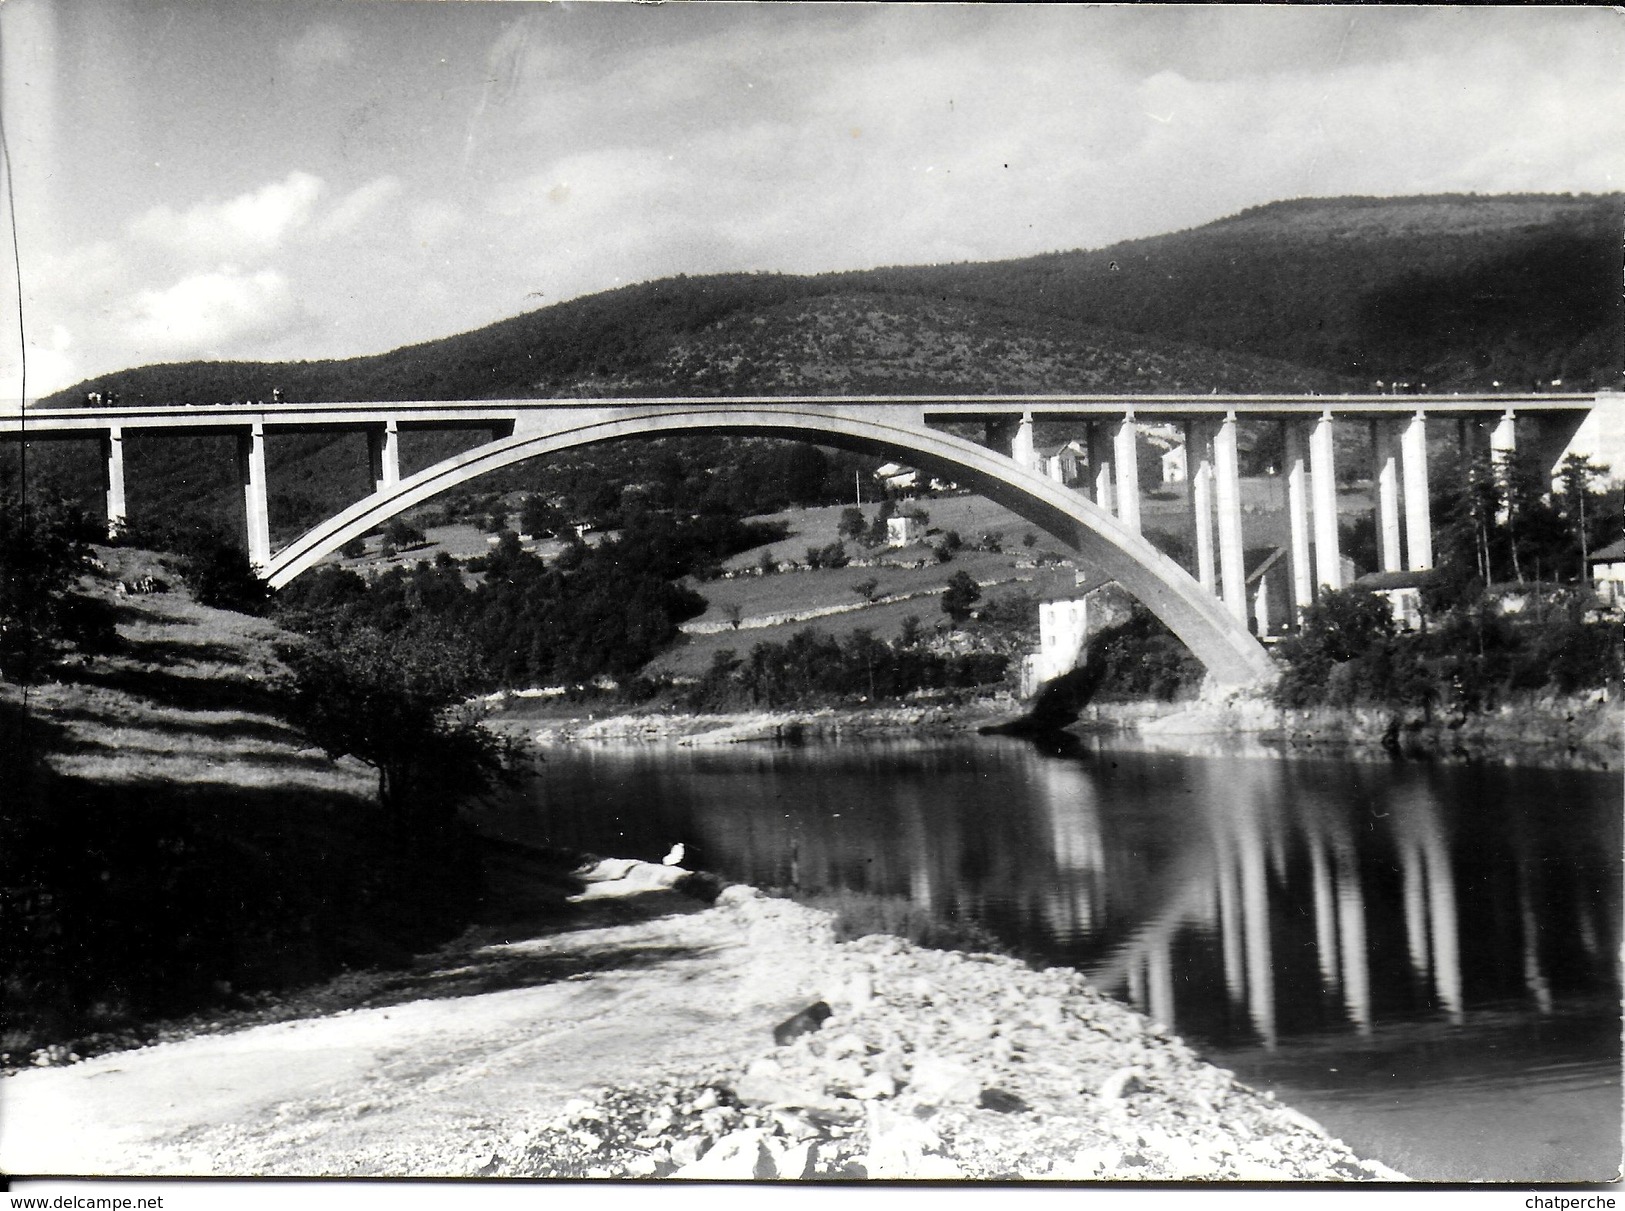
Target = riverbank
(650,1034)
(828,723)
(1574,732)
(1578,732)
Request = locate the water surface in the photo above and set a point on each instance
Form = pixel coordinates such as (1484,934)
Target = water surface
(1421,956)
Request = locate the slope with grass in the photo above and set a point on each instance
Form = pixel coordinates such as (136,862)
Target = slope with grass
(173,845)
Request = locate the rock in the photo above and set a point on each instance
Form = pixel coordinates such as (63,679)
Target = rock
(1046,1012)
(843,1045)
(737,1156)
(900,1147)
(875,1085)
(704,1100)
(972,1031)
(1122,1083)
(686,1151)
(859,990)
(788,1160)
(1001,1100)
(943,1082)
(808,1020)
(642,1166)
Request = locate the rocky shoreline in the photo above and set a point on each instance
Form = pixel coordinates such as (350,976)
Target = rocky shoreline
(653,1034)
(910,1063)
(1582,733)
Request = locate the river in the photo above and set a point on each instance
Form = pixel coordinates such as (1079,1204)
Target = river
(1422,956)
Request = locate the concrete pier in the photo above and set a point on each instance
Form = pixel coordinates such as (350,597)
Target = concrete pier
(113,479)
(1413,454)
(256,505)
(1323,489)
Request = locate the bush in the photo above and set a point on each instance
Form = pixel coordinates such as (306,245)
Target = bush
(960,596)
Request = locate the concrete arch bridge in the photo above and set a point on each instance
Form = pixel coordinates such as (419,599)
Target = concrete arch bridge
(1099,519)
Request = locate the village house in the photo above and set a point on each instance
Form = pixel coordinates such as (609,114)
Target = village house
(1063,463)
(1608,573)
(1068,615)
(1403,593)
(902,529)
(896,477)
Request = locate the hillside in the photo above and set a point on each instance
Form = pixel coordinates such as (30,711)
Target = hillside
(173,843)
(1318,294)
(1455,291)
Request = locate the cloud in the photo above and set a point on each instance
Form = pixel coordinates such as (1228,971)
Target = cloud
(250,224)
(211,314)
(356,207)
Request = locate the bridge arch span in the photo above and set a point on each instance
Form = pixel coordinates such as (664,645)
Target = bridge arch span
(1229,651)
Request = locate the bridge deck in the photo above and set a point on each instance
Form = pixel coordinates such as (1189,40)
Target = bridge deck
(46,422)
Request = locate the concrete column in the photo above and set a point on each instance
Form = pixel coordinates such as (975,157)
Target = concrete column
(1413,455)
(1385,478)
(1227,496)
(1504,437)
(1199,470)
(113,479)
(1100,468)
(1297,507)
(1125,445)
(1503,447)
(1021,446)
(1323,487)
(1261,606)
(256,507)
(384,453)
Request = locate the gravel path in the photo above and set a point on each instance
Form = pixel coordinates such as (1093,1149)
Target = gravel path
(654,1037)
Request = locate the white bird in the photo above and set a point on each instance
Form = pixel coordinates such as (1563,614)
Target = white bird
(675,857)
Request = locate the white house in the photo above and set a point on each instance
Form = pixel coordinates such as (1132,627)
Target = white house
(1403,593)
(1608,572)
(901,530)
(1063,463)
(1174,465)
(895,475)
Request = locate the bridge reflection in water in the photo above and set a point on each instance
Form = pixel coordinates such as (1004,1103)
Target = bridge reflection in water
(1434,929)
(1237,897)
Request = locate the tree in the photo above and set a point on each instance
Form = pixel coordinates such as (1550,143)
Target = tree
(866,588)
(393,700)
(403,535)
(42,553)
(910,635)
(219,574)
(1577,474)
(852,523)
(354,549)
(960,596)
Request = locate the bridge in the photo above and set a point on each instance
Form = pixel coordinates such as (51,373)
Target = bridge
(1100,519)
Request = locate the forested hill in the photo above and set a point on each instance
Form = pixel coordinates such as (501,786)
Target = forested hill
(1324,294)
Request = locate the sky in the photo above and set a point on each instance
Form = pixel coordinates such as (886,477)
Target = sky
(248,179)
